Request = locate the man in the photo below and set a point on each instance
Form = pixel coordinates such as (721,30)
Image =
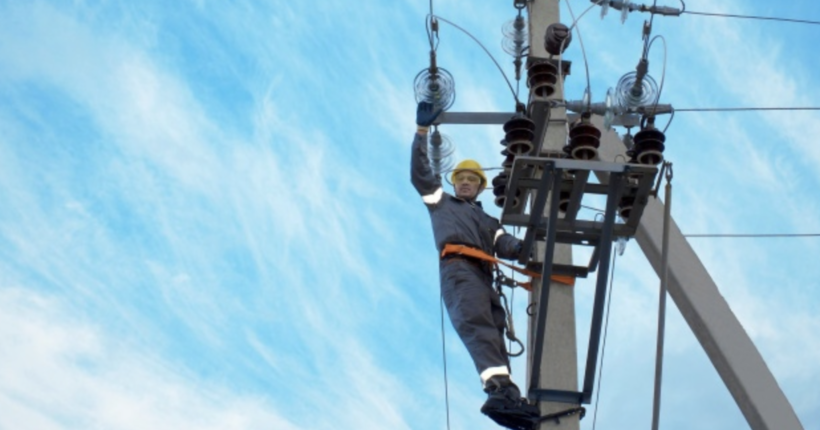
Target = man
(466,282)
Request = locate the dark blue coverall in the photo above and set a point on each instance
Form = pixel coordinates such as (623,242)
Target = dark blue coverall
(467,284)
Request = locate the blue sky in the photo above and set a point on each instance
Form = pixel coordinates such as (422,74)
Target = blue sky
(207,219)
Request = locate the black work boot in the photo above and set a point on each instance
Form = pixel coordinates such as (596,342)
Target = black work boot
(505,406)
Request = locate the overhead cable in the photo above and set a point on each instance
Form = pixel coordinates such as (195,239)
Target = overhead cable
(746,109)
(763,18)
(773,235)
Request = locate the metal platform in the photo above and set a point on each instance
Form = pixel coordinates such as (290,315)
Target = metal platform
(538,182)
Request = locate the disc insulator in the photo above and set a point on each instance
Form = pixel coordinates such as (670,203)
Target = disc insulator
(438,88)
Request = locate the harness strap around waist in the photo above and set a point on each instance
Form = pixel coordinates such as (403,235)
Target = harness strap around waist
(451,249)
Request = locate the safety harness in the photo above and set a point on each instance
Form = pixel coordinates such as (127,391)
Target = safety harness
(467,251)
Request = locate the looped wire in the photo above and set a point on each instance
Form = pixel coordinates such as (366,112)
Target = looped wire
(520,4)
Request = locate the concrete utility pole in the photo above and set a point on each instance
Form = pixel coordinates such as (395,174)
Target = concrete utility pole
(729,347)
(558,368)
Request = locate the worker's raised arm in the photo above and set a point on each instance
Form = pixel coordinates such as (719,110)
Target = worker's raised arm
(421,175)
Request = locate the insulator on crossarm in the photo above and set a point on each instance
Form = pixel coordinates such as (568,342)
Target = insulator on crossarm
(435,86)
(515,36)
(625,206)
(440,152)
(509,159)
(629,95)
(557,38)
(500,183)
(649,145)
(624,6)
(563,200)
(542,78)
(520,134)
(584,140)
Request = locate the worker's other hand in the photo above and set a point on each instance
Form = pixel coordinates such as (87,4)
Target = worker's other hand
(426,114)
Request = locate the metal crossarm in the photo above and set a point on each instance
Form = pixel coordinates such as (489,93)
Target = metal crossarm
(542,180)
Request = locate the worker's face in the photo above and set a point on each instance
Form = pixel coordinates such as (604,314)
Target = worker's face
(467,185)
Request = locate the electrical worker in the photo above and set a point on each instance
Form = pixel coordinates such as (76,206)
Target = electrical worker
(474,307)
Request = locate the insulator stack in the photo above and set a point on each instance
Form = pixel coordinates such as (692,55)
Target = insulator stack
(584,140)
(440,152)
(557,38)
(437,87)
(649,146)
(520,133)
(625,206)
(515,36)
(507,164)
(542,78)
(563,200)
(500,190)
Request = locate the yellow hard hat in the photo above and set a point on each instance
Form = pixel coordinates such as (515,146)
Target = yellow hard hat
(469,166)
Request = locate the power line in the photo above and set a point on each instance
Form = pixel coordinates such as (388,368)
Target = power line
(763,18)
(747,109)
(774,235)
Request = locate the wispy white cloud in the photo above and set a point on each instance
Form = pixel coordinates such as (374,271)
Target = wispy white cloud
(239,216)
(60,371)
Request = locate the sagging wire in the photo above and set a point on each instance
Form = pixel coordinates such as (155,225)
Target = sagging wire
(606,331)
(583,52)
(500,69)
(671,117)
(663,73)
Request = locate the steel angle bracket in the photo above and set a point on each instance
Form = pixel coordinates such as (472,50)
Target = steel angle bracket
(544,180)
